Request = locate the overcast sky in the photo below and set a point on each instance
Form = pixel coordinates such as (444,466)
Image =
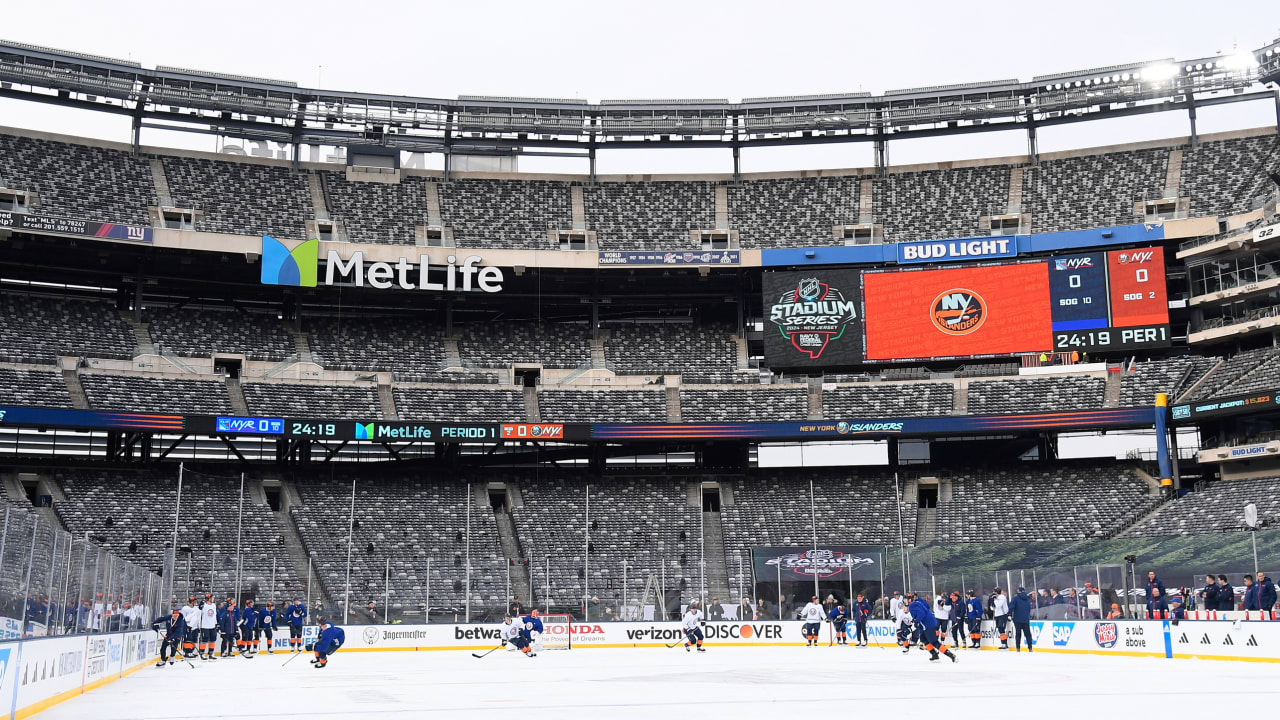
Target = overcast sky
(657,49)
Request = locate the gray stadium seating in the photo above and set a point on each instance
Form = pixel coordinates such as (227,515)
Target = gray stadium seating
(159,394)
(888,400)
(936,204)
(505,213)
(78,181)
(649,215)
(502,343)
(762,404)
(462,404)
(1092,190)
(671,348)
(38,329)
(1031,503)
(195,332)
(619,406)
(37,388)
(241,198)
(304,400)
(792,212)
(1217,507)
(1036,394)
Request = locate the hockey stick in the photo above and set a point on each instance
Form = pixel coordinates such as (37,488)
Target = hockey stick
(480,655)
(291,657)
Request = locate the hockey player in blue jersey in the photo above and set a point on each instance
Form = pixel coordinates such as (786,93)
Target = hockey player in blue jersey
(974,612)
(174,628)
(331,638)
(923,615)
(532,631)
(266,626)
(839,617)
(296,615)
(248,621)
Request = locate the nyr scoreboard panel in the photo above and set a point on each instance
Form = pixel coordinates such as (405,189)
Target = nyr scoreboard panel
(1091,302)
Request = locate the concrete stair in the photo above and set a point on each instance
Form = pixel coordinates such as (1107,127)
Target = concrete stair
(452,356)
(301,344)
(926,525)
(297,551)
(531,411)
(318,203)
(79,400)
(1111,397)
(160,183)
(511,550)
(387,399)
(815,398)
(141,335)
(673,403)
(598,361)
(713,550)
(236,393)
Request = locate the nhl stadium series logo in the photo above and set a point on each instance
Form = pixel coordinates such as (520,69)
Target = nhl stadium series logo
(812,316)
(821,562)
(958,311)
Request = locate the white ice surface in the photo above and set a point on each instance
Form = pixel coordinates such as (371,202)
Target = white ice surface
(724,682)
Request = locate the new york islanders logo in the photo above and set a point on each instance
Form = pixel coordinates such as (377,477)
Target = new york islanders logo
(812,316)
(958,311)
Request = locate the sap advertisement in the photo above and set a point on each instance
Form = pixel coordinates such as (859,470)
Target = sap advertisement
(812,319)
(1094,302)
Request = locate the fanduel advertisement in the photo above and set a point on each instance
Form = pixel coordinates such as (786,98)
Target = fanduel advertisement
(812,319)
(829,562)
(297,266)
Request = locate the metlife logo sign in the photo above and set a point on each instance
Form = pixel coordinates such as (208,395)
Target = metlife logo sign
(296,266)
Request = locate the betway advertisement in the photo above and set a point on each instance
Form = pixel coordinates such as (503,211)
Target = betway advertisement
(812,319)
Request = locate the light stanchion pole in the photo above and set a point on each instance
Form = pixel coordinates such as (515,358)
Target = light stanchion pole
(813,520)
(386,600)
(239,530)
(351,529)
(586,557)
(308,581)
(177,511)
(468,585)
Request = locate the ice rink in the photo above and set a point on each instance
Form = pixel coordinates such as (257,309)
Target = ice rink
(724,682)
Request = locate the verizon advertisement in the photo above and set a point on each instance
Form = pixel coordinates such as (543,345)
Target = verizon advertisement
(812,318)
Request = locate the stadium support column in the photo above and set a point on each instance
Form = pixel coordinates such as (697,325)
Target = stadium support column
(448,144)
(591,165)
(737,163)
(1162,441)
(1191,117)
(1033,143)
(1276,95)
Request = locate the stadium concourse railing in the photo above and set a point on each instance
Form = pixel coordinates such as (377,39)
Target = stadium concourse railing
(52,583)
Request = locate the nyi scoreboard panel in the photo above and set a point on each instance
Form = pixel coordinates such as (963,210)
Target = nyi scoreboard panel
(1109,300)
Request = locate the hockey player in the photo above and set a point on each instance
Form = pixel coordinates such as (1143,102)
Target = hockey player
(812,615)
(266,626)
(693,627)
(175,631)
(191,625)
(513,632)
(861,610)
(1000,613)
(296,615)
(331,638)
(903,619)
(228,624)
(208,627)
(248,621)
(957,619)
(942,613)
(532,631)
(924,616)
(974,612)
(839,617)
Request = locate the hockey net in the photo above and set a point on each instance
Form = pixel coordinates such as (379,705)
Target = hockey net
(557,632)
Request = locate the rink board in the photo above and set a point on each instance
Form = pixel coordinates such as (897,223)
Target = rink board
(39,673)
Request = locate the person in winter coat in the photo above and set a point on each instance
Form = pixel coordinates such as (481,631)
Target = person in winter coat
(1209,593)
(1226,594)
(1252,594)
(744,610)
(1268,591)
(1157,606)
(1153,583)
(1020,608)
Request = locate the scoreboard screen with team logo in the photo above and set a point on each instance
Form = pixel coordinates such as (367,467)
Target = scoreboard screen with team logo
(1101,301)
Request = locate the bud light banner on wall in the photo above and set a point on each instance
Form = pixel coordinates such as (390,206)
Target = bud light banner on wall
(812,318)
(833,562)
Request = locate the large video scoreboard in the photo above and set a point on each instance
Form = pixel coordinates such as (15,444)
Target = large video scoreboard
(1093,302)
